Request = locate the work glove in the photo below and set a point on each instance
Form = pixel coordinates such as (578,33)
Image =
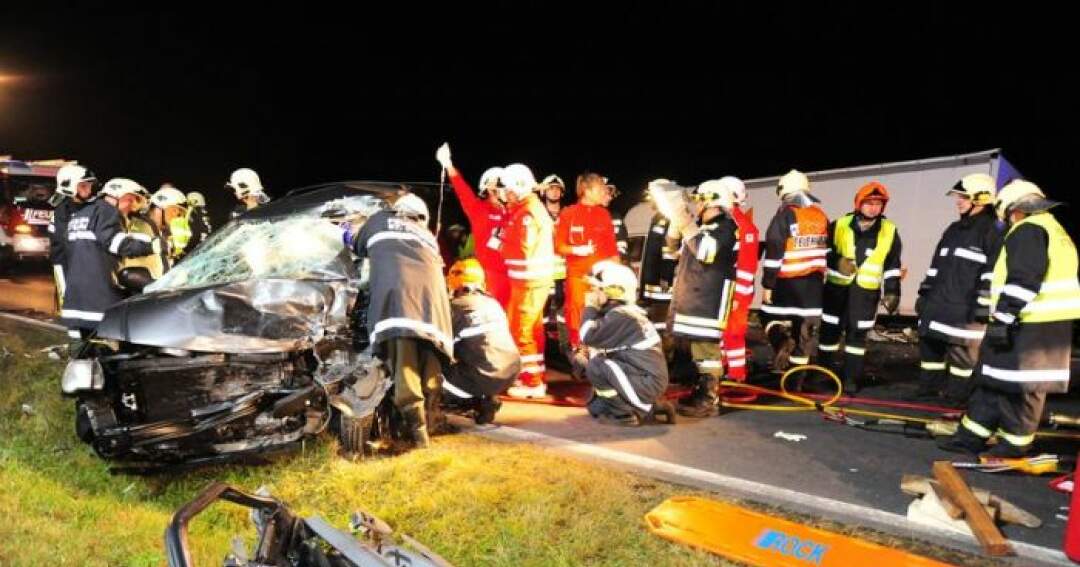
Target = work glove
(347,235)
(891,303)
(442,155)
(999,335)
(766,296)
(845,266)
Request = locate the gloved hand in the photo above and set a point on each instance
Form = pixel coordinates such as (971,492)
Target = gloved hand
(999,335)
(155,245)
(442,155)
(766,296)
(845,266)
(891,303)
(347,234)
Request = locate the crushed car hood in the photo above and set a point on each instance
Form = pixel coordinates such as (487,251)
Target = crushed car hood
(264,315)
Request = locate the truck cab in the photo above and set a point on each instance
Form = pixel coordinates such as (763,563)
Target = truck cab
(25,211)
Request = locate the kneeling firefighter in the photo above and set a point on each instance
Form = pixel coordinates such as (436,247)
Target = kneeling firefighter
(1035,297)
(486,358)
(408,318)
(626,367)
(864,250)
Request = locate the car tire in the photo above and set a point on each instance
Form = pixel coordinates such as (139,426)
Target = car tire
(353,434)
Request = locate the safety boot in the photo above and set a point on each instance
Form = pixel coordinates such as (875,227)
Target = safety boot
(704,399)
(1005,450)
(963,441)
(486,408)
(662,412)
(779,336)
(416,426)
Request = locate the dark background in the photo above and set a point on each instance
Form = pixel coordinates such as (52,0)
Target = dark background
(315,93)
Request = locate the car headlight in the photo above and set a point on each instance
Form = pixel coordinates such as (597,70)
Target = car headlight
(82,375)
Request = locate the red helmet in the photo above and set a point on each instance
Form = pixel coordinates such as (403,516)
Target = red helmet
(872,190)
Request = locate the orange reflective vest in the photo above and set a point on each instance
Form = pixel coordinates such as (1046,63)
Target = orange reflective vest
(807,244)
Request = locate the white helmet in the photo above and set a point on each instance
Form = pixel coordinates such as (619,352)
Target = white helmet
(553,180)
(244,182)
(979,187)
(69,177)
(490,177)
(196,199)
(1021,194)
(168,197)
(518,179)
(714,193)
(413,206)
(613,276)
(119,186)
(737,189)
(793,181)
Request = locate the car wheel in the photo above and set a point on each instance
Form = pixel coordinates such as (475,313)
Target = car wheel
(353,434)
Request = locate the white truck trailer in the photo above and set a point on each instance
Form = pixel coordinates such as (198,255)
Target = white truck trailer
(919,205)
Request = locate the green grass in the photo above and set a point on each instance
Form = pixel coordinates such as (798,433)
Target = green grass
(473,501)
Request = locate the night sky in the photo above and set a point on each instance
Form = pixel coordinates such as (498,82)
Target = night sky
(313,94)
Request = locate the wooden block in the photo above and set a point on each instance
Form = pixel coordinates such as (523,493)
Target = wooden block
(917,485)
(951,508)
(982,525)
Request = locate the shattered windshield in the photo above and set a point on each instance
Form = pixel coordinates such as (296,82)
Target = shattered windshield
(305,245)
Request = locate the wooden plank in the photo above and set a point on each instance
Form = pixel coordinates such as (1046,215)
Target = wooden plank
(985,531)
(917,485)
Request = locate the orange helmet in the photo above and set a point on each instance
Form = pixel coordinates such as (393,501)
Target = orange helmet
(465,273)
(872,190)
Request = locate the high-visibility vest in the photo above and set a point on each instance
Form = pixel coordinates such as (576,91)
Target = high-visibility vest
(805,249)
(1058,298)
(153,262)
(868,275)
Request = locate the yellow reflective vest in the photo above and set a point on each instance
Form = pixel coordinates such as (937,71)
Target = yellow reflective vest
(869,274)
(1058,298)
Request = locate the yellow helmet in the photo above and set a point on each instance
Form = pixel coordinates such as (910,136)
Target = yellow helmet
(467,273)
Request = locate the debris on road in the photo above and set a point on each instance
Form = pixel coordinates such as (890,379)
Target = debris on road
(796,437)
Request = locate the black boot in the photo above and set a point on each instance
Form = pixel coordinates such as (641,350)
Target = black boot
(703,401)
(779,336)
(851,385)
(963,441)
(1006,450)
(416,426)
(662,412)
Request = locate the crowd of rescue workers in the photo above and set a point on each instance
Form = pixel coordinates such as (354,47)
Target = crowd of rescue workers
(995,307)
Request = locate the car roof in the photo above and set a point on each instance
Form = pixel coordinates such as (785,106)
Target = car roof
(314,196)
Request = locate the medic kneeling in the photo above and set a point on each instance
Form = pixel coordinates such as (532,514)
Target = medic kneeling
(625,365)
(487,360)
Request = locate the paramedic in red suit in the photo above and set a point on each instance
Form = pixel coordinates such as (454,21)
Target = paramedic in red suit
(746,263)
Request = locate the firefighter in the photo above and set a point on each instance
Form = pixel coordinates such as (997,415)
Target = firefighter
(74,189)
(95,243)
(584,236)
(796,245)
(486,358)
(746,262)
(658,259)
(528,248)
(618,226)
(626,367)
(198,219)
(139,222)
(1035,297)
(408,317)
(704,285)
(954,298)
(863,268)
(169,212)
(487,217)
(552,190)
(248,189)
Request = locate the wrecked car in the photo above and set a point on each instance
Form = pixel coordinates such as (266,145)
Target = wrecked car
(253,342)
(282,538)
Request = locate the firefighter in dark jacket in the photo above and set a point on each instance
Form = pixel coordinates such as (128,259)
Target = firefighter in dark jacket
(1035,296)
(704,286)
(248,189)
(626,367)
(618,225)
(74,188)
(486,358)
(198,219)
(658,260)
(863,268)
(954,297)
(796,246)
(96,241)
(408,318)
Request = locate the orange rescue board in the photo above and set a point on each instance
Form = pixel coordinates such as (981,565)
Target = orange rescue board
(760,539)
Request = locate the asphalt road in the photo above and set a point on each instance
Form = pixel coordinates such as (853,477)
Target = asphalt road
(28,286)
(835,461)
